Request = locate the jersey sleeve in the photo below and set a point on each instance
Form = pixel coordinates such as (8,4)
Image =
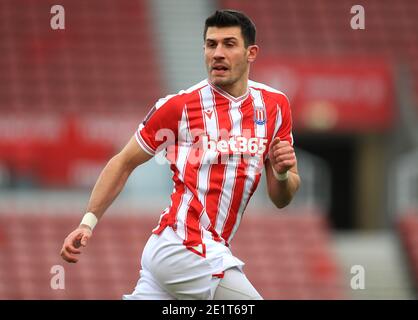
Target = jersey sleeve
(284,121)
(160,126)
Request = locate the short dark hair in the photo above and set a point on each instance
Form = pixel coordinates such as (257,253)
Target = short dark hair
(232,18)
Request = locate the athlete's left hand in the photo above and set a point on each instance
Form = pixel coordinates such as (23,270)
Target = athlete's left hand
(282,155)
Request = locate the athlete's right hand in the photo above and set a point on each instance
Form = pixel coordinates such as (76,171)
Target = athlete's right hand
(76,239)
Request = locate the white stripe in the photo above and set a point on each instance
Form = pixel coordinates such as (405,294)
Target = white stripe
(207,103)
(228,96)
(236,117)
(162,101)
(204,219)
(260,129)
(249,181)
(212,131)
(231,167)
(161,218)
(259,85)
(183,145)
(143,144)
(183,153)
(182,213)
(202,182)
(227,192)
(211,127)
(251,170)
(248,185)
(278,120)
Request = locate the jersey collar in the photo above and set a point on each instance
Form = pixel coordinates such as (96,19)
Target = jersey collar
(227,95)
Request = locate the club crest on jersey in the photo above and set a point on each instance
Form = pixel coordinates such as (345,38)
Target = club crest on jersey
(259,116)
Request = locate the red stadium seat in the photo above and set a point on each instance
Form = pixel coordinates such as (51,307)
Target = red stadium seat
(303,28)
(103,62)
(287,257)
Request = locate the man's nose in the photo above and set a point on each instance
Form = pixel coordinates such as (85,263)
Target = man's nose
(219,52)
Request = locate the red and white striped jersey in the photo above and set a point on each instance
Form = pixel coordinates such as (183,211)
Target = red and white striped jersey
(216,145)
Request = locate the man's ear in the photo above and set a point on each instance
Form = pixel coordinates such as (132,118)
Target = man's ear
(252,52)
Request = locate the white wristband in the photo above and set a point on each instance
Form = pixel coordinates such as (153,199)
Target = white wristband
(281,176)
(90,220)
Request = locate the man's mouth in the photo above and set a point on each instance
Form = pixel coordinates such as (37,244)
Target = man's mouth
(220,69)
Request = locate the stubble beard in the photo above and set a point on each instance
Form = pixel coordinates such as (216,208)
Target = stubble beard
(223,82)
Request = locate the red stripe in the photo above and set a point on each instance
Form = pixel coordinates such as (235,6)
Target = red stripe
(144,144)
(247,111)
(258,176)
(231,215)
(253,188)
(176,200)
(217,174)
(202,254)
(219,275)
(271,111)
(193,163)
(193,230)
(215,180)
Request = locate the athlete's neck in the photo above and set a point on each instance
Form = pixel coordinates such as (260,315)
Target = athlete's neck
(236,90)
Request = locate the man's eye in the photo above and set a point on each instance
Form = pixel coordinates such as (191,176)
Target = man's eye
(211,45)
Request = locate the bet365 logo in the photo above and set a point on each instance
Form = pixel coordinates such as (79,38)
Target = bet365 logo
(235,145)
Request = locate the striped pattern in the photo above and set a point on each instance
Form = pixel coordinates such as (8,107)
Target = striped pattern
(212,190)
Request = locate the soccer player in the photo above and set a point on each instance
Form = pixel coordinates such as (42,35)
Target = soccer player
(217,136)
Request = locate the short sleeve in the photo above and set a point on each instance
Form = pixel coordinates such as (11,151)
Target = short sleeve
(284,121)
(160,126)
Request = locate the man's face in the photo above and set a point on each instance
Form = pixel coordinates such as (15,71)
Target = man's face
(227,60)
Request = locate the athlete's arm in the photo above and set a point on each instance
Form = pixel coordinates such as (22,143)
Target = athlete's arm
(282,159)
(114,176)
(109,184)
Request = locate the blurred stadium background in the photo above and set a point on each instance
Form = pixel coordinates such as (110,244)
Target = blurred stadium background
(70,99)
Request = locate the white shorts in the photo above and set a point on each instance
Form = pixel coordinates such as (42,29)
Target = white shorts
(171,271)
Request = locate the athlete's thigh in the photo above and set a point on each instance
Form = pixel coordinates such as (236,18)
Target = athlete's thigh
(236,286)
(148,288)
